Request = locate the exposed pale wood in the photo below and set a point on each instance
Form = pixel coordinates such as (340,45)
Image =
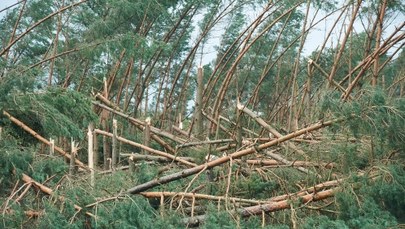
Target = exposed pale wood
(198,104)
(146,132)
(90,150)
(114,155)
(150,150)
(219,161)
(51,146)
(42,139)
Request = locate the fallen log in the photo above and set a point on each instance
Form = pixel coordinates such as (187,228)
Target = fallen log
(268,207)
(315,188)
(44,140)
(222,160)
(268,162)
(148,149)
(201,196)
(284,204)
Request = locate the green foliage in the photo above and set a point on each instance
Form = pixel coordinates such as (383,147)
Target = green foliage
(14,160)
(364,213)
(388,190)
(56,112)
(256,187)
(323,222)
(132,213)
(45,167)
(374,115)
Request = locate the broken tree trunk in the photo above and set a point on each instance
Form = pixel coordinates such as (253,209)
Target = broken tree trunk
(146,133)
(72,167)
(198,105)
(44,140)
(114,155)
(51,147)
(90,157)
(150,150)
(222,160)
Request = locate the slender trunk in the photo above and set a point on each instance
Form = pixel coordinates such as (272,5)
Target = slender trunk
(380,18)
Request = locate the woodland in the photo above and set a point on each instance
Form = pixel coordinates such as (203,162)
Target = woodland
(202,114)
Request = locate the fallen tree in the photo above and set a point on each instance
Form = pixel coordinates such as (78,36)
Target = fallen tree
(222,160)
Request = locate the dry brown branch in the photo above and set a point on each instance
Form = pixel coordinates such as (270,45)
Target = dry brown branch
(42,139)
(222,160)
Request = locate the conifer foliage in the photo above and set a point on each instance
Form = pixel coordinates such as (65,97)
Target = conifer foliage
(202,113)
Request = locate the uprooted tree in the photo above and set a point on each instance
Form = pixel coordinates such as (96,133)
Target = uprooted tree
(202,113)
